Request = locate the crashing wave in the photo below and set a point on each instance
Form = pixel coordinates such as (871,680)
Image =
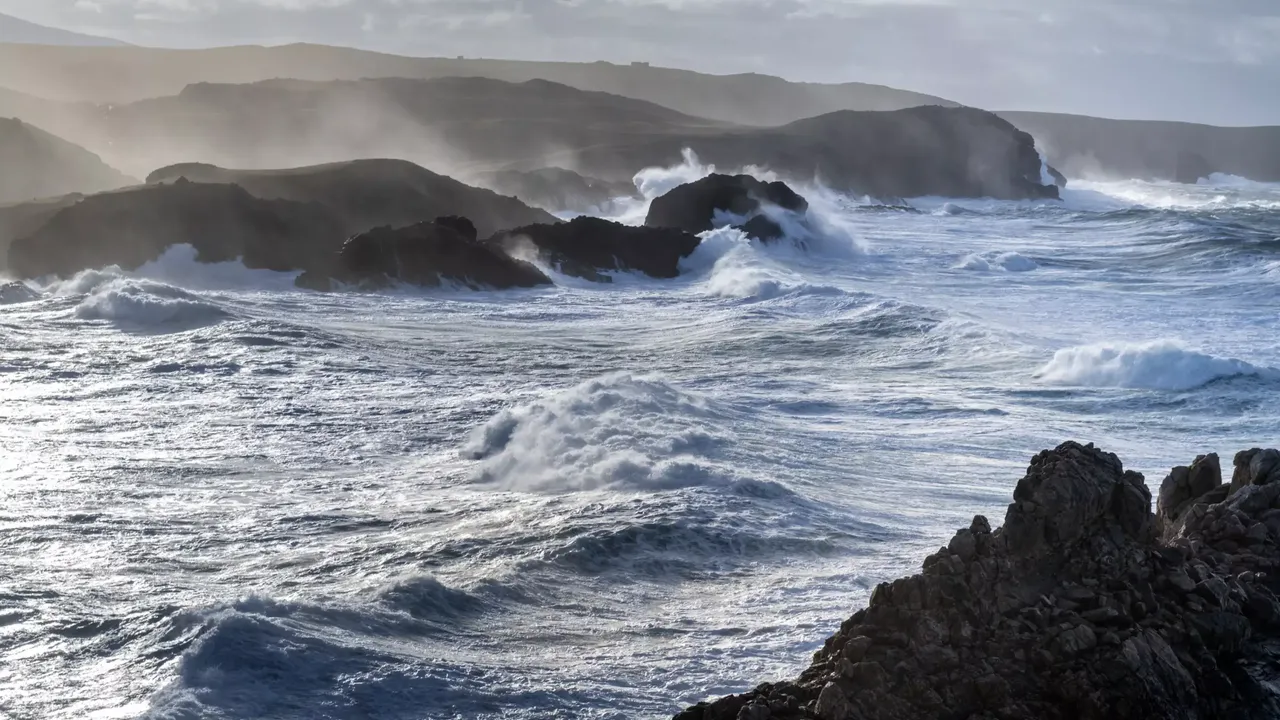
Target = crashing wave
(617,432)
(1159,365)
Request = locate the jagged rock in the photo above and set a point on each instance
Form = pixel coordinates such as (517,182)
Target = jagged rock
(832,704)
(695,207)
(430,254)
(586,246)
(1074,608)
(1255,467)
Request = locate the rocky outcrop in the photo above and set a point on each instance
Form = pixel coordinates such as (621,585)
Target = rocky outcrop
(365,194)
(717,200)
(135,226)
(1083,605)
(37,165)
(427,254)
(585,247)
(558,190)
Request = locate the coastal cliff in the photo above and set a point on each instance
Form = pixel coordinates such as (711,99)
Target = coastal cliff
(1085,604)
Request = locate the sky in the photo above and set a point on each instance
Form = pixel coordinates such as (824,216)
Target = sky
(1215,61)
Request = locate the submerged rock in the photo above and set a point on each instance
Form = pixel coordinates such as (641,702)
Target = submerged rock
(1075,608)
(428,254)
(695,207)
(586,246)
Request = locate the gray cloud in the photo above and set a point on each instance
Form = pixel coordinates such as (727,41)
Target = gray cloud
(1174,59)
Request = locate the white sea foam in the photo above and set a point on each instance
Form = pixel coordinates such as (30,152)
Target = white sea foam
(620,432)
(999,261)
(1158,365)
(146,303)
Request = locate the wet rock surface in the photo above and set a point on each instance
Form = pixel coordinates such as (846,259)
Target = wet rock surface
(587,247)
(694,207)
(428,254)
(1085,604)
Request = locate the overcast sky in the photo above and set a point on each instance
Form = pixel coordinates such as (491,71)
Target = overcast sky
(1201,60)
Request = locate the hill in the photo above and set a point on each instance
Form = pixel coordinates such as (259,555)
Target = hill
(1084,146)
(37,165)
(121,75)
(16,30)
(468,127)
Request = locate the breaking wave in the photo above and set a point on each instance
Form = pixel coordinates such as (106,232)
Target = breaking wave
(619,432)
(1159,365)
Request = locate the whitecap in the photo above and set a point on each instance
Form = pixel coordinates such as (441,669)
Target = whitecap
(1158,365)
(617,432)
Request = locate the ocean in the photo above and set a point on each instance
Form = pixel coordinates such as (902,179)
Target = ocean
(223,497)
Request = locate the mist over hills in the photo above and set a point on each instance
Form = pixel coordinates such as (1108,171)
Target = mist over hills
(17,30)
(119,75)
(130,102)
(37,164)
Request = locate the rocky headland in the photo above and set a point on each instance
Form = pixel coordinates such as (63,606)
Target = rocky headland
(1085,604)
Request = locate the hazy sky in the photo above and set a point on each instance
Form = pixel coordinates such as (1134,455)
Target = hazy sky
(1203,60)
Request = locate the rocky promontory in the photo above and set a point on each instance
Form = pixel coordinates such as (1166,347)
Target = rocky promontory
(1085,604)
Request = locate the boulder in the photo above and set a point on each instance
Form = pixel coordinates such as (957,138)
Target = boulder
(698,206)
(585,247)
(427,254)
(1073,609)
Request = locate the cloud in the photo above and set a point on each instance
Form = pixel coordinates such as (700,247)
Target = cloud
(1178,59)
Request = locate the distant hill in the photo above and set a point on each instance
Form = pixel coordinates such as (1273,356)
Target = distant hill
(37,164)
(471,127)
(15,30)
(119,75)
(1082,146)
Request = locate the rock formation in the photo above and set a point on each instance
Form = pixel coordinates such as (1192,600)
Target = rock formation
(1083,605)
(428,254)
(135,226)
(585,246)
(37,165)
(694,207)
(365,194)
(557,189)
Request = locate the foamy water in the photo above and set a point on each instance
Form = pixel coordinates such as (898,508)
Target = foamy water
(222,497)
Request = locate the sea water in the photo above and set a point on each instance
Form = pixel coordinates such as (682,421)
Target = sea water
(223,497)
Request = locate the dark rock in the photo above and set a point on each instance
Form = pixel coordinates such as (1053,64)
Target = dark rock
(222,222)
(1075,608)
(832,704)
(762,228)
(1184,485)
(585,246)
(430,254)
(695,207)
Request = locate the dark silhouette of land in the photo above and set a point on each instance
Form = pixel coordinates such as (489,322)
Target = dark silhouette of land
(120,75)
(1084,146)
(35,164)
(472,127)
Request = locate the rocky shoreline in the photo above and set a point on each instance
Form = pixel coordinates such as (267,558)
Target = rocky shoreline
(1085,604)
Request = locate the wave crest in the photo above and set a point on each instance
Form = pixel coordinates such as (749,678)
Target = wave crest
(1159,365)
(621,431)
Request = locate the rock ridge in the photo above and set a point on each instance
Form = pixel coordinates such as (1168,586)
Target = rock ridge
(1085,604)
